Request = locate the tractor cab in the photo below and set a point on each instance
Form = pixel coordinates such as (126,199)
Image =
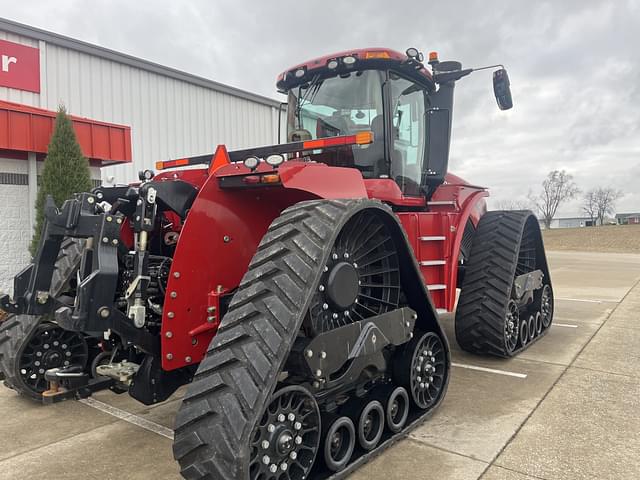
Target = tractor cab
(381,91)
(407,107)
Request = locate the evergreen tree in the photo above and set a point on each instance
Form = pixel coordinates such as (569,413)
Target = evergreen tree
(65,171)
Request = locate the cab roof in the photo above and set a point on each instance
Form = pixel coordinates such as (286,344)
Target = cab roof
(365,58)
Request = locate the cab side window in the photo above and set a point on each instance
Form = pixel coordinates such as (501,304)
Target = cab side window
(408,133)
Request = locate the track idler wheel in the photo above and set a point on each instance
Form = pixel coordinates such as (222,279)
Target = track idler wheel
(546,306)
(339,443)
(421,368)
(371,425)
(397,410)
(511,326)
(34,346)
(286,440)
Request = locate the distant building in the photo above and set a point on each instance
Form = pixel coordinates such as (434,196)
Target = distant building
(127,112)
(569,222)
(628,218)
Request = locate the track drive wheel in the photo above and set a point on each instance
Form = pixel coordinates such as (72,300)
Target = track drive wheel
(20,335)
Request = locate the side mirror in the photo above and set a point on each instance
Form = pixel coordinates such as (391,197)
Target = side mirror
(502,89)
(438,128)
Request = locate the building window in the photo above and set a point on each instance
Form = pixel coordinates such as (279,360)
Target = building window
(7,178)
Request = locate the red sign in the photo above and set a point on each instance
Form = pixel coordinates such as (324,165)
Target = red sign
(19,66)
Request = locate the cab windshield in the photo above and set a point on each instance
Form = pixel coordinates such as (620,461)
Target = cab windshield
(353,102)
(342,105)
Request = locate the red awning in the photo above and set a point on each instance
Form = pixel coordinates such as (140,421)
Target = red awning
(28,129)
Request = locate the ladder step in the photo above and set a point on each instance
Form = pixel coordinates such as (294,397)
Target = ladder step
(442,202)
(437,286)
(433,238)
(426,263)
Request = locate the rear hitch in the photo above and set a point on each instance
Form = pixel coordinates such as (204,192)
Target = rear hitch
(79,217)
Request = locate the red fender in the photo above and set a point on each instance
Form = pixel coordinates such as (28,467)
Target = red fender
(218,240)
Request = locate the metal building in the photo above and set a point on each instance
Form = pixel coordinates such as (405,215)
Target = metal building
(170,114)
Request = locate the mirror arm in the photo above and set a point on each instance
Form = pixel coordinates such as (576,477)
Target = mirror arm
(488,67)
(443,77)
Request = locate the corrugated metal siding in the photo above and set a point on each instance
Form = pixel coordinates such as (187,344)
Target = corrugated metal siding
(169,118)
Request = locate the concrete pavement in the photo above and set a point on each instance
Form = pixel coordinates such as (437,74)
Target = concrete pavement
(567,408)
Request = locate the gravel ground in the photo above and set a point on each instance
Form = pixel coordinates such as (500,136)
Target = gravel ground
(610,238)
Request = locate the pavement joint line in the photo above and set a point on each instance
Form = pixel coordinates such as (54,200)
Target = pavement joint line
(422,442)
(524,474)
(553,385)
(128,417)
(566,325)
(489,370)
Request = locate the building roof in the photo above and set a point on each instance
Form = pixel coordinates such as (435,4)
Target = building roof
(29,129)
(626,215)
(96,51)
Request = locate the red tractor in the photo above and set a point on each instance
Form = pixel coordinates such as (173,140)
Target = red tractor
(296,287)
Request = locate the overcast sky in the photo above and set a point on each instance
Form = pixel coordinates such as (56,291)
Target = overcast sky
(574,68)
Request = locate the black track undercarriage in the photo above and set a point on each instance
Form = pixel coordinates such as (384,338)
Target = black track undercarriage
(506,302)
(323,357)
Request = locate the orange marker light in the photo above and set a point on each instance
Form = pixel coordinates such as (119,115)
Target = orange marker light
(433,56)
(364,138)
(172,163)
(271,178)
(369,55)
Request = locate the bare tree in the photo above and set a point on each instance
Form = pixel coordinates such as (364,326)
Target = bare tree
(557,188)
(605,199)
(513,204)
(590,206)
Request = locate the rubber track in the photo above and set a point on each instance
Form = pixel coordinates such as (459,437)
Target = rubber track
(488,280)
(17,329)
(239,372)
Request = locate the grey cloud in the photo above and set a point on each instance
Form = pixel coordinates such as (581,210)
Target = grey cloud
(573,66)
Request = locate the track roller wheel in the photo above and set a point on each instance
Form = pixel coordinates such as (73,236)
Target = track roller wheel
(371,425)
(538,323)
(339,443)
(531,326)
(546,306)
(524,333)
(286,440)
(421,368)
(397,410)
